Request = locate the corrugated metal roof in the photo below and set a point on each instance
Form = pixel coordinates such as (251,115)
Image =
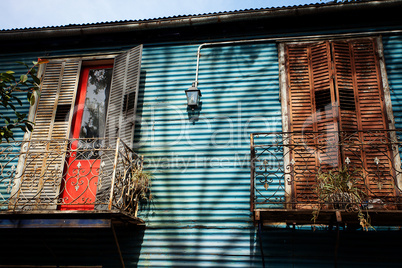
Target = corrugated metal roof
(187,16)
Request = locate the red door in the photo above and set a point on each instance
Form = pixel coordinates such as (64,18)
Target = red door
(83,164)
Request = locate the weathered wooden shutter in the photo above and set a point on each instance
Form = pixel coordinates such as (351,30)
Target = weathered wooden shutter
(121,114)
(324,115)
(336,85)
(301,120)
(42,174)
(313,115)
(362,109)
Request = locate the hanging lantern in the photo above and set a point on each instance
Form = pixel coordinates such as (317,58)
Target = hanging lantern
(193,95)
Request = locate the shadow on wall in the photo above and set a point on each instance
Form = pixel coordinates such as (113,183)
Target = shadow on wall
(70,247)
(322,248)
(140,109)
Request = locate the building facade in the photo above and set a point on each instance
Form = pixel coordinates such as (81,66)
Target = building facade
(287,93)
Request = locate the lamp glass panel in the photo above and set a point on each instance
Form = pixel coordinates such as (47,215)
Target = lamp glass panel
(192,98)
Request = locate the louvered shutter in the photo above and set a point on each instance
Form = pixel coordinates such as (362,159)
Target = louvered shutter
(348,99)
(301,109)
(362,108)
(324,115)
(122,106)
(301,119)
(313,117)
(40,182)
(121,114)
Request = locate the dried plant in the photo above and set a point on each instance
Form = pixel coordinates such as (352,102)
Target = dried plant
(340,189)
(137,186)
(142,181)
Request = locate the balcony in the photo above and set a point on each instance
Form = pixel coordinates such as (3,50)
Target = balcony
(69,183)
(287,171)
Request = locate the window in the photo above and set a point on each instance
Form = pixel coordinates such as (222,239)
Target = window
(334,102)
(66,112)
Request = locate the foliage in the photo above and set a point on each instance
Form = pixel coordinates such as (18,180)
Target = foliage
(138,186)
(142,181)
(10,85)
(340,188)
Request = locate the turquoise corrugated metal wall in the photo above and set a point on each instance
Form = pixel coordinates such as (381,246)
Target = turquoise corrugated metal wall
(200,212)
(200,216)
(202,176)
(393,61)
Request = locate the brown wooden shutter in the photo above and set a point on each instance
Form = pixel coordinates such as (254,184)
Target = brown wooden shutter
(40,182)
(300,95)
(347,109)
(302,119)
(345,94)
(324,101)
(370,115)
(345,86)
(121,114)
(347,98)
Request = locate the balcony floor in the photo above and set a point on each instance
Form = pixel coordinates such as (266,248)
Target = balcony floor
(66,219)
(304,216)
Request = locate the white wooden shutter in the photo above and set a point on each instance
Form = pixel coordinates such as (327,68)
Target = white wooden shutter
(42,174)
(121,114)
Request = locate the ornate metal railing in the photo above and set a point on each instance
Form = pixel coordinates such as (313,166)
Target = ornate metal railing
(287,169)
(69,174)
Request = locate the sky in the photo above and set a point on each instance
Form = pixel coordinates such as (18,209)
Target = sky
(42,13)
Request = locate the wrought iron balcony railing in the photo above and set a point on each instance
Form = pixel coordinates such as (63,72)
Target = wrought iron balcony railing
(69,174)
(294,172)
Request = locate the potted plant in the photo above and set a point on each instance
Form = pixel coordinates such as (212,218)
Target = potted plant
(339,189)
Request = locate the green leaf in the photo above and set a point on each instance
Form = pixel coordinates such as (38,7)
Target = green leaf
(24,78)
(8,77)
(29,126)
(32,99)
(10,72)
(22,63)
(35,78)
(19,101)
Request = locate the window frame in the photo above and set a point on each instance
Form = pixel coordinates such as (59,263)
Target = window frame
(285,100)
(124,62)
